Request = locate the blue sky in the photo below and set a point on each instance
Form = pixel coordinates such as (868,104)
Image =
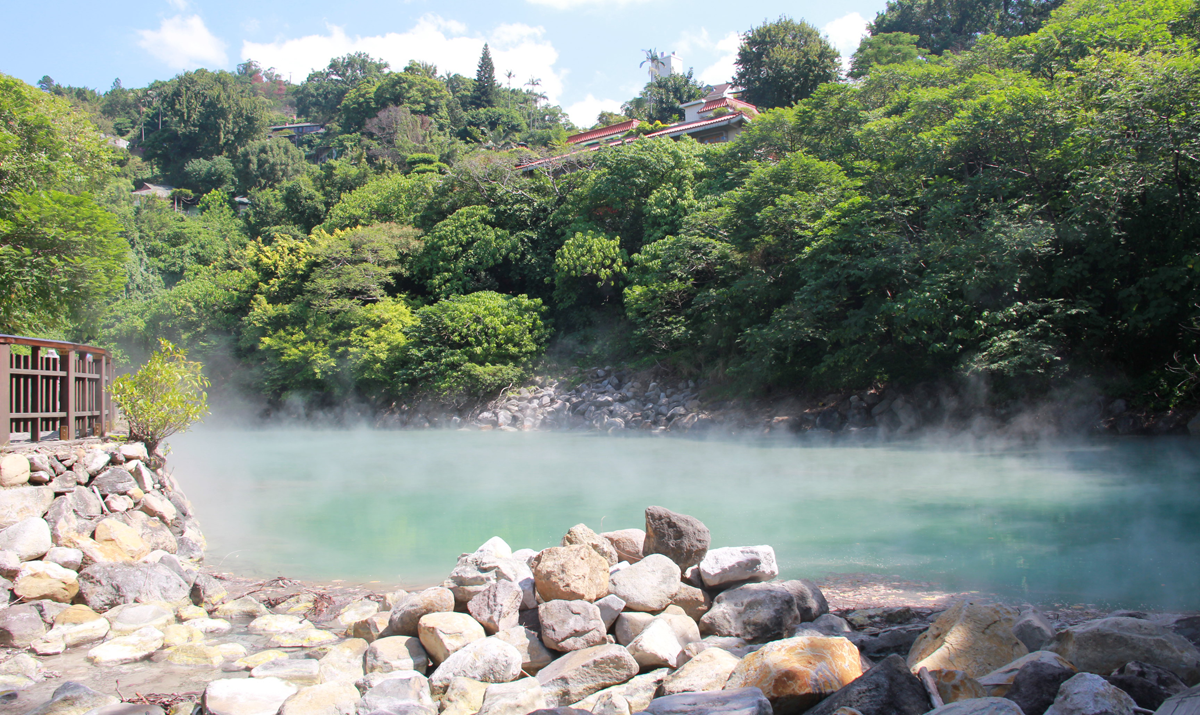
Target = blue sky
(585,52)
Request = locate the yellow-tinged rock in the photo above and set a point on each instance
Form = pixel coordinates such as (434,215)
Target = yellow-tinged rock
(195,654)
(301,639)
(997,682)
(74,615)
(44,579)
(464,696)
(177,635)
(443,634)
(251,662)
(797,673)
(955,685)
(231,651)
(191,613)
(324,699)
(369,628)
(971,636)
(124,538)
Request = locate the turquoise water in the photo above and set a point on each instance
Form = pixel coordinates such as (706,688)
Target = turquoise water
(1112,522)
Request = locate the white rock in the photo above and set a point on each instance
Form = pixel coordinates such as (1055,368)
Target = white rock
(301,671)
(272,624)
(127,649)
(66,557)
(247,696)
(515,698)
(737,564)
(657,646)
(490,660)
(29,538)
(1088,694)
(647,585)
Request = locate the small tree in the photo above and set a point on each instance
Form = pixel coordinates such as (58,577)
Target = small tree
(162,398)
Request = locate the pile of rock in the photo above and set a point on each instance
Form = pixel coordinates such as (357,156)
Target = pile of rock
(604,400)
(70,516)
(637,620)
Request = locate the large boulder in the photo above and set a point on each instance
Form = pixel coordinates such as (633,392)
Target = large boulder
(971,636)
(489,660)
(628,543)
(1089,694)
(442,634)
(744,701)
(582,534)
(406,614)
(20,625)
(997,682)
(637,692)
(14,470)
(1036,686)
(29,538)
(754,612)
(887,689)
(1148,685)
(571,625)
(73,698)
(497,607)
(809,600)
(1104,645)
(16,505)
(979,706)
(648,585)
(738,564)
(683,539)
(397,693)
(103,586)
(343,663)
(515,698)
(136,646)
(395,653)
(570,573)
(709,670)
(46,580)
(534,655)
(797,673)
(333,698)
(657,646)
(580,673)
(1033,630)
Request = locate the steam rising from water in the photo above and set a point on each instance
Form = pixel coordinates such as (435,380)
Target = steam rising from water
(1114,522)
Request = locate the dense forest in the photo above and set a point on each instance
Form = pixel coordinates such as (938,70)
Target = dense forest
(1000,192)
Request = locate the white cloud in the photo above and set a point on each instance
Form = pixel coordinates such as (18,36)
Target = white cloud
(723,69)
(584,112)
(183,43)
(446,43)
(179,5)
(573,4)
(846,33)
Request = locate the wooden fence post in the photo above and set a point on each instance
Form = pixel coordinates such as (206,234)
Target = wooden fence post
(5,394)
(70,407)
(35,394)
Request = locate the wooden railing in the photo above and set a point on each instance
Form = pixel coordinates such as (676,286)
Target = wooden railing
(58,390)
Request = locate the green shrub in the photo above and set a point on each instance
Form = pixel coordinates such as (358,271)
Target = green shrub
(588,265)
(162,398)
(468,346)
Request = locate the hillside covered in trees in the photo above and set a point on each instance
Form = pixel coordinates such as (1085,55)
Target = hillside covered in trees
(1005,194)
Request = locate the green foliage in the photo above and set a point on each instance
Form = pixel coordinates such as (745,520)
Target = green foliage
(469,346)
(392,197)
(660,99)
(205,175)
(164,397)
(587,264)
(268,162)
(320,95)
(204,114)
(782,62)
(460,251)
(61,258)
(942,25)
(485,89)
(888,48)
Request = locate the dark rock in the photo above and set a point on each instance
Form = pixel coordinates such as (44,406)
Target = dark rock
(1148,685)
(742,701)
(72,697)
(754,612)
(809,600)
(20,625)
(114,481)
(887,689)
(207,591)
(829,419)
(1036,686)
(103,586)
(1189,628)
(683,539)
(896,641)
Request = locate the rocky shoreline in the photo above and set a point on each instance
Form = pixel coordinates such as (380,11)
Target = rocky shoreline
(614,400)
(651,618)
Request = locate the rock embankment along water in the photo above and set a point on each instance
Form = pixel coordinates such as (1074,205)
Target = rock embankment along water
(649,619)
(615,400)
(92,522)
